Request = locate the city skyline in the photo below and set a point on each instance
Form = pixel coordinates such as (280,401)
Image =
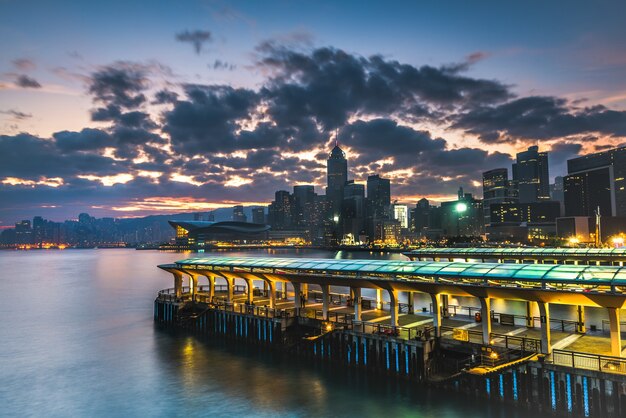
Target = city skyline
(221,104)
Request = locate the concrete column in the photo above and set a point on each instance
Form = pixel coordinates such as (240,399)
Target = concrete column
(325,301)
(271,288)
(544,314)
(230,288)
(355,295)
(211,287)
(250,284)
(283,287)
(379,299)
(444,306)
(580,327)
(614,326)
(410,301)
(265,287)
(297,295)
(436,301)
(393,299)
(485,313)
(530,323)
(178,284)
(193,283)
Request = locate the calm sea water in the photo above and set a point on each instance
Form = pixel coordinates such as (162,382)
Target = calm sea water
(77,339)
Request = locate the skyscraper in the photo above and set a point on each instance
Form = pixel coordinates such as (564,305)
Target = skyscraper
(497,189)
(303,201)
(337,175)
(280,210)
(596,180)
(531,175)
(378,195)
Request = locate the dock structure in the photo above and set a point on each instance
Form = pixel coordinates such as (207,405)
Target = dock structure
(278,293)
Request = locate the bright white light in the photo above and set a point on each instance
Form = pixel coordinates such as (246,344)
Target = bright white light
(460,207)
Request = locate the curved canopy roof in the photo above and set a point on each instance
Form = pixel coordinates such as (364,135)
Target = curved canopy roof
(532,252)
(403,270)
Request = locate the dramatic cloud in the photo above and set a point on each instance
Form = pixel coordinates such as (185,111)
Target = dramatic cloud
(166,144)
(25,81)
(538,117)
(197,38)
(121,84)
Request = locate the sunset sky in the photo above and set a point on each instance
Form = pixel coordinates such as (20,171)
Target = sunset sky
(128,108)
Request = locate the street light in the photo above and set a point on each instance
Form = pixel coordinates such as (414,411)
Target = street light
(459,208)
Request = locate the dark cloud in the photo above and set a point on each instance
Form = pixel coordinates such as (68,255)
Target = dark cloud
(24,64)
(222,65)
(25,81)
(165,96)
(196,37)
(16,114)
(538,118)
(330,85)
(207,120)
(121,84)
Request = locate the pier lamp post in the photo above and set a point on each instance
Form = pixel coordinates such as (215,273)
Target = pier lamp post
(460,208)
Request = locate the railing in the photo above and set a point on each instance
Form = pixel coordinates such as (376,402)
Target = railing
(586,361)
(512,342)
(606,326)
(564,325)
(423,333)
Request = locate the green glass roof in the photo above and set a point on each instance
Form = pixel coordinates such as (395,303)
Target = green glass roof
(544,252)
(391,269)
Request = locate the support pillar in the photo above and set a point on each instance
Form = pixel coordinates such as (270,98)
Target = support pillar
(530,322)
(271,289)
(436,301)
(379,299)
(614,326)
(544,314)
(230,287)
(250,284)
(283,286)
(355,295)
(193,284)
(265,287)
(410,302)
(211,287)
(325,301)
(485,313)
(393,307)
(580,326)
(444,306)
(178,284)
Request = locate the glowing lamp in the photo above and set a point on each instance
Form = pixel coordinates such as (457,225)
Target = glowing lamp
(460,207)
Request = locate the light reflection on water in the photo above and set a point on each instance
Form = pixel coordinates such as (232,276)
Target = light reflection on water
(77,339)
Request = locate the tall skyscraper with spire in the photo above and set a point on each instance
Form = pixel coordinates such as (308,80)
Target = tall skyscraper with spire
(337,176)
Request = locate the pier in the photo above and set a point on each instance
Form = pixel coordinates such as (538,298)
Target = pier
(316,308)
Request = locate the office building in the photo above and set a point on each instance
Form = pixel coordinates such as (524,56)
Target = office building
(531,175)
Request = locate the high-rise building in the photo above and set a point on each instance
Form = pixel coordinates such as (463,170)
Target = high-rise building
(23,232)
(238,214)
(496,189)
(378,196)
(337,176)
(401,214)
(596,180)
(353,210)
(280,211)
(531,175)
(557,192)
(463,217)
(303,201)
(258,215)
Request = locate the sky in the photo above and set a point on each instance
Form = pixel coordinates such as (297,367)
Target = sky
(130,108)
